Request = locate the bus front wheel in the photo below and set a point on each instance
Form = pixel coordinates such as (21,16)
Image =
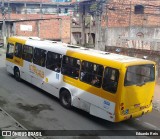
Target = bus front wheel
(65,99)
(17,74)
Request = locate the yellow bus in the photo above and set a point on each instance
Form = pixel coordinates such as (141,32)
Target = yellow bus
(109,86)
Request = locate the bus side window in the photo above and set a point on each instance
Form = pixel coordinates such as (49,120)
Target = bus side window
(91,73)
(110,80)
(71,67)
(10,51)
(18,50)
(27,53)
(53,61)
(86,72)
(39,57)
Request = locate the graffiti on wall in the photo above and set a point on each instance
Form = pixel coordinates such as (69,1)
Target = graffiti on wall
(139,44)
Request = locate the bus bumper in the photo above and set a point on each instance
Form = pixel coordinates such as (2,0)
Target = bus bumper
(133,115)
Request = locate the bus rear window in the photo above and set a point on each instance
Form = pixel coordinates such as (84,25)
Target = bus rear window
(139,74)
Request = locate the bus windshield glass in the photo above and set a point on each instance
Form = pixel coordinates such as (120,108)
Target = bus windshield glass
(139,75)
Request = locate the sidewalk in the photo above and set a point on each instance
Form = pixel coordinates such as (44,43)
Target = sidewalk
(2,51)
(9,124)
(156,99)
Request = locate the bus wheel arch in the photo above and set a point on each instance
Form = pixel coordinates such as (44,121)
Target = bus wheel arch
(65,98)
(16,72)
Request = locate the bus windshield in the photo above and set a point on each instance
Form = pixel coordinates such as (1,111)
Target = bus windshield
(139,75)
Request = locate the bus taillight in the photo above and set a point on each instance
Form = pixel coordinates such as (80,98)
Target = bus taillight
(151,100)
(122,106)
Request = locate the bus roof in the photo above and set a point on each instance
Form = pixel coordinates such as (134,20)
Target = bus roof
(79,52)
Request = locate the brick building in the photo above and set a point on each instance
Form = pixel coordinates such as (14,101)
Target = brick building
(42,18)
(53,29)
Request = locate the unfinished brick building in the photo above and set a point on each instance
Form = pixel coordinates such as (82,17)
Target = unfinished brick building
(41,18)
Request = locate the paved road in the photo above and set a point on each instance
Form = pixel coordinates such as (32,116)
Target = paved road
(35,109)
(156,99)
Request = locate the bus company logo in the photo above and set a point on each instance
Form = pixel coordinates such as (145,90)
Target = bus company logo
(38,72)
(106,104)
(17,61)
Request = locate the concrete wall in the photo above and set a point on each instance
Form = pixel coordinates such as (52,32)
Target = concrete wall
(147,38)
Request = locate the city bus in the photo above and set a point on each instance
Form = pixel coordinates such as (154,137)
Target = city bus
(106,85)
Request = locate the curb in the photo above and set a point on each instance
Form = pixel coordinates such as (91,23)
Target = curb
(12,124)
(2,50)
(156,105)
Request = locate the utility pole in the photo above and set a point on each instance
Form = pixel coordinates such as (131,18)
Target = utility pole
(60,28)
(130,14)
(99,12)
(83,25)
(4,24)
(41,9)
(9,10)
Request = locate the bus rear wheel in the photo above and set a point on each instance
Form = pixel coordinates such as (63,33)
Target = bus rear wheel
(17,74)
(65,99)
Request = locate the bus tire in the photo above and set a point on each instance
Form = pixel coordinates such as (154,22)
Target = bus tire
(65,99)
(17,74)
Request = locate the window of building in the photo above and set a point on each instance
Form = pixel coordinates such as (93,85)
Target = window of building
(39,57)
(91,73)
(66,10)
(139,9)
(70,66)
(18,50)
(53,61)
(27,53)
(10,50)
(59,10)
(110,80)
